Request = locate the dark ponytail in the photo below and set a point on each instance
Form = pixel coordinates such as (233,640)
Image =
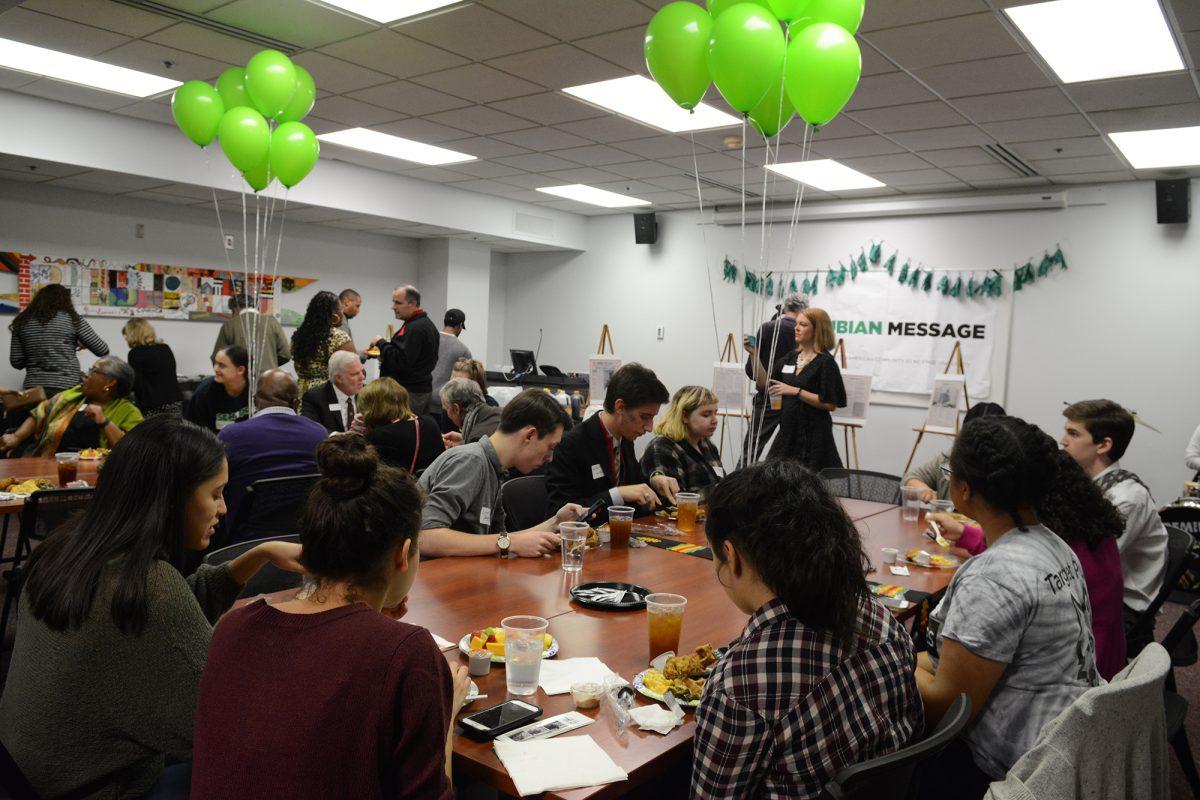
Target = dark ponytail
(1010,463)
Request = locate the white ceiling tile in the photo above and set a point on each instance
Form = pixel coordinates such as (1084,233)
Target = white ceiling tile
(115,181)
(1010,183)
(946,41)
(1062,148)
(192,192)
(296,21)
(150,57)
(894,13)
(36,166)
(548,108)
(153,110)
(1096,177)
(11,79)
(1032,130)
(1152,90)
(588,175)
(531,180)
(23,177)
(1070,166)
(665,198)
(656,146)
(202,41)
(436,174)
(644,170)
(623,48)
(576,19)
(353,113)
(480,120)
(484,147)
(918,116)
(842,127)
(678,182)
(1140,119)
(316,214)
(873,62)
(853,146)
(83,185)
(393,53)
(626,186)
(483,169)
(423,130)
(986,76)
(484,186)
(958,157)
(1187,12)
(193,6)
(542,139)
(156,197)
(536,162)
(1015,105)
(476,32)
(525,195)
(409,98)
(104,14)
(596,155)
(607,129)
(708,162)
(558,66)
(891,89)
(76,95)
(44,30)
(962,136)
(886,163)
(337,76)
(935,188)
(478,82)
(916,177)
(993,171)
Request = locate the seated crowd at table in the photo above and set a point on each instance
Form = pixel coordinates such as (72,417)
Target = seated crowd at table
(131,677)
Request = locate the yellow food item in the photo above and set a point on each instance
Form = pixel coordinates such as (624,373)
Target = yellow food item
(496,648)
(476,643)
(692,665)
(656,682)
(547,640)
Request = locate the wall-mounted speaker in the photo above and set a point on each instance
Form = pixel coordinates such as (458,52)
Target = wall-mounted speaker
(645,228)
(1174,199)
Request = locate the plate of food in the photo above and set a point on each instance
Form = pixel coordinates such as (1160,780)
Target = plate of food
(371,351)
(923,558)
(492,640)
(93,453)
(610,595)
(684,676)
(24,488)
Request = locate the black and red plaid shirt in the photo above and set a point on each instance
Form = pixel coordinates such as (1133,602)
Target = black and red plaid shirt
(786,707)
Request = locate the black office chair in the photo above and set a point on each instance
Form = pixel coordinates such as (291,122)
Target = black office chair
(892,775)
(271,508)
(1180,557)
(1176,704)
(859,484)
(43,513)
(269,577)
(525,501)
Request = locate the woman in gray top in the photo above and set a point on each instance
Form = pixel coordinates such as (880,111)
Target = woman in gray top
(45,338)
(111,638)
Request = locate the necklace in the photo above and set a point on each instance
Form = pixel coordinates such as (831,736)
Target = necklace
(803,358)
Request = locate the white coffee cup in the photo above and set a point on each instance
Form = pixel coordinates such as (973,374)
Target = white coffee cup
(890,554)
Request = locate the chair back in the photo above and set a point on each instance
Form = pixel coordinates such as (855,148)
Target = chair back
(47,510)
(525,501)
(269,578)
(1184,514)
(859,484)
(891,775)
(1180,556)
(271,508)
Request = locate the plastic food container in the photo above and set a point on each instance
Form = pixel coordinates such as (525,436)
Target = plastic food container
(586,695)
(479,662)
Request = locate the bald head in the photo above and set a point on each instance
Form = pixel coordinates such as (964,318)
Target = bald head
(276,388)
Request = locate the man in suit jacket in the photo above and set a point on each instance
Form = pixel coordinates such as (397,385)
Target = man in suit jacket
(411,355)
(596,460)
(333,402)
(274,443)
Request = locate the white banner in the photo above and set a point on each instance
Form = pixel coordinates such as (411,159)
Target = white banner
(903,336)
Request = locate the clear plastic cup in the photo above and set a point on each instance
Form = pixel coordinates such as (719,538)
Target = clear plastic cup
(620,525)
(664,616)
(68,467)
(524,641)
(941,506)
(686,504)
(573,536)
(911,498)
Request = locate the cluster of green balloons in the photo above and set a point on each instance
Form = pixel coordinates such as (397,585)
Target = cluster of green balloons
(770,59)
(256,113)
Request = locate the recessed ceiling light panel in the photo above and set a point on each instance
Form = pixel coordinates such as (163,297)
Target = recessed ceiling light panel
(82,71)
(394,147)
(386,11)
(826,175)
(596,197)
(1159,149)
(642,100)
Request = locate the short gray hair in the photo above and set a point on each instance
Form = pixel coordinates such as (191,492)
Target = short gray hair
(796,301)
(119,371)
(339,361)
(462,392)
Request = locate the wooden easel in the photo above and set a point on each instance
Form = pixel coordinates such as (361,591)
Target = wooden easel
(849,429)
(955,360)
(729,355)
(605,336)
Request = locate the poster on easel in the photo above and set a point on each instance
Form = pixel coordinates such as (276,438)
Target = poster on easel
(858,398)
(730,385)
(600,372)
(944,401)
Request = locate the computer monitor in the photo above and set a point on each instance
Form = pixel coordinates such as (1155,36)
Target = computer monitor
(523,362)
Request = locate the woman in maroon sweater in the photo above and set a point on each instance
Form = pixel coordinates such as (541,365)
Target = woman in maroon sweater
(324,696)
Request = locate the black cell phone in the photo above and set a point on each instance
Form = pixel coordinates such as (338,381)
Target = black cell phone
(491,722)
(591,512)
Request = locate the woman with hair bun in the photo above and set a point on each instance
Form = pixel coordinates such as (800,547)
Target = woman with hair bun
(328,694)
(1014,629)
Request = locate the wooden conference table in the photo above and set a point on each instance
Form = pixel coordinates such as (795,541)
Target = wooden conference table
(39,467)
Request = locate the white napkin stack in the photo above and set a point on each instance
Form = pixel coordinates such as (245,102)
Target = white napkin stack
(443,644)
(558,675)
(656,718)
(550,765)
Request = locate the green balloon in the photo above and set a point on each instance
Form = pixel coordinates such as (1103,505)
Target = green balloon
(823,67)
(294,151)
(302,101)
(773,112)
(232,88)
(788,9)
(261,176)
(718,7)
(197,109)
(270,81)
(675,47)
(846,13)
(745,54)
(245,138)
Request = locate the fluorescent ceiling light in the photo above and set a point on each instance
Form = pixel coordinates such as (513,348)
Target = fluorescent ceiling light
(83,71)
(1171,147)
(1091,40)
(394,146)
(389,10)
(594,196)
(826,175)
(642,100)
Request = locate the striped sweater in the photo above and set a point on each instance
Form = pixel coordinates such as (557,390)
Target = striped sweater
(46,351)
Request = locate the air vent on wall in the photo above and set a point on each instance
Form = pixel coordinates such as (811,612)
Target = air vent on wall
(1011,160)
(213,25)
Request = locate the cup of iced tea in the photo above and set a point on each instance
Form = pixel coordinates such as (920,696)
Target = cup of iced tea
(686,504)
(776,402)
(68,467)
(664,615)
(620,525)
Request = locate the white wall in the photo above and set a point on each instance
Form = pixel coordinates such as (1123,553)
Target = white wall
(496,355)
(46,220)
(1122,322)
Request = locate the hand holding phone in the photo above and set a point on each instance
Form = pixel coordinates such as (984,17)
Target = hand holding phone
(589,515)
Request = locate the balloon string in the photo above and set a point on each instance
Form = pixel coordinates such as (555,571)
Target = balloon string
(712,301)
(741,296)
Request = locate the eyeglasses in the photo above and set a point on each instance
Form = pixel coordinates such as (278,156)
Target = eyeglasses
(945,468)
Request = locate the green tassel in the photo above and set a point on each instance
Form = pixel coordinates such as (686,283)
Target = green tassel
(890,264)
(792,286)
(751,281)
(943,285)
(1060,258)
(913,277)
(876,253)
(928,281)
(972,287)
(956,289)
(862,261)
(853,270)
(731,272)
(770,287)
(842,276)
(1044,267)
(831,278)
(904,273)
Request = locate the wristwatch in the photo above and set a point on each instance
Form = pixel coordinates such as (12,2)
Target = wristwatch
(503,543)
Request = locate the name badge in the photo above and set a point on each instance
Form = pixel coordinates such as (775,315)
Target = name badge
(335,406)
(789,369)
(597,471)
(485,516)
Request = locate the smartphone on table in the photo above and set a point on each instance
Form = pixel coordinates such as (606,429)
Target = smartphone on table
(491,722)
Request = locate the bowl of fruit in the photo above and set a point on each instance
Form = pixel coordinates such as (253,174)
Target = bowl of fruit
(492,640)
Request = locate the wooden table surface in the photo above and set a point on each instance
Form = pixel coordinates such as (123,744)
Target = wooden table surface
(38,467)
(454,596)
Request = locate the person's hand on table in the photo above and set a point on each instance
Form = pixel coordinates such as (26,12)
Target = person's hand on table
(666,486)
(639,495)
(462,686)
(569,513)
(9,441)
(532,544)
(452,439)
(780,389)
(95,413)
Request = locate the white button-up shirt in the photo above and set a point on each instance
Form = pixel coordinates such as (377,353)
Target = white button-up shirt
(1143,545)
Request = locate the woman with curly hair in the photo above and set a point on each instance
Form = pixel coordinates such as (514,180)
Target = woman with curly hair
(45,338)
(1077,510)
(317,338)
(1014,628)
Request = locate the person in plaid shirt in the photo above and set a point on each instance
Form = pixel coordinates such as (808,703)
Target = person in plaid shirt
(683,448)
(823,675)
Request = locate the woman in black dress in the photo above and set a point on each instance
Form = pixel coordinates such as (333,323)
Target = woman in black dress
(156,387)
(808,381)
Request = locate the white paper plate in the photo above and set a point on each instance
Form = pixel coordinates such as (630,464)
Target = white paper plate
(464,647)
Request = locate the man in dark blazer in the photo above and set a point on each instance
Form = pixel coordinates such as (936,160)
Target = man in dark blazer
(410,357)
(596,461)
(333,402)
